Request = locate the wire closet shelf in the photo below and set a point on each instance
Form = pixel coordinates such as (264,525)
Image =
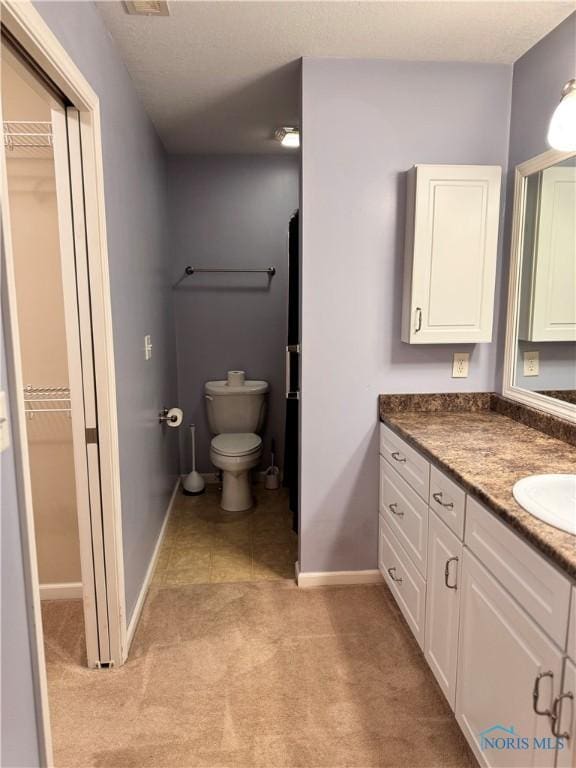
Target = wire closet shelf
(28,137)
(46,400)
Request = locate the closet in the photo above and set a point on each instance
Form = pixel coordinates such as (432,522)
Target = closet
(27,109)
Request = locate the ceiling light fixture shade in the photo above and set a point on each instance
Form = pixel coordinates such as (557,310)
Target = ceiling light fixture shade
(288,137)
(562,130)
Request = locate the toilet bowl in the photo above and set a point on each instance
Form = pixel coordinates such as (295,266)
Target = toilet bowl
(236,454)
(236,409)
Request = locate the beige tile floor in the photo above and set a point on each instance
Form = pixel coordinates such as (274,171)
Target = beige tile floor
(204,544)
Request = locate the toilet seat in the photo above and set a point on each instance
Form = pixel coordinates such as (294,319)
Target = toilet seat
(236,444)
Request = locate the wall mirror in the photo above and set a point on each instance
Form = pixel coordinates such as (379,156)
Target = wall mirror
(540,364)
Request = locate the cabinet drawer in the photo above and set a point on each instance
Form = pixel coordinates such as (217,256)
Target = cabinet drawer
(406,584)
(535,584)
(406,513)
(408,462)
(448,501)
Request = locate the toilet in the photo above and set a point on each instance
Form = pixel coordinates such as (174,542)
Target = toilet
(236,409)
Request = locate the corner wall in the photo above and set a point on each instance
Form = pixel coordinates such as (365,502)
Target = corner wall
(231,211)
(136,193)
(365,123)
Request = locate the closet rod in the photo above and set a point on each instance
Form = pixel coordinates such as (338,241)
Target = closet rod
(270,271)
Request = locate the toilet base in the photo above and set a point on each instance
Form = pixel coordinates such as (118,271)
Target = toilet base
(236,491)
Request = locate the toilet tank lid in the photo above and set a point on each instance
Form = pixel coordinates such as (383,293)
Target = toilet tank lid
(248,388)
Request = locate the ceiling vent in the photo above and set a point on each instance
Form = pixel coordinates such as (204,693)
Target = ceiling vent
(147,7)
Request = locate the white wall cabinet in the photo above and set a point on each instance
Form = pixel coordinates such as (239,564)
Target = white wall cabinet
(452,219)
(443,604)
(548,306)
(501,655)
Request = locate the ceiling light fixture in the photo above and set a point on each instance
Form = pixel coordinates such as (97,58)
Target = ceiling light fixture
(562,130)
(146,7)
(288,137)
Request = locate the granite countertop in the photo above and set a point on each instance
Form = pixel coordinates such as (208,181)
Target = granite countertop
(486,453)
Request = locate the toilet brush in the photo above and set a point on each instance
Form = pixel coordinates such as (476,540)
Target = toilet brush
(193,484)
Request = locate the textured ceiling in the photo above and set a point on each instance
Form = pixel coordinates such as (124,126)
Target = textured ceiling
(220,76)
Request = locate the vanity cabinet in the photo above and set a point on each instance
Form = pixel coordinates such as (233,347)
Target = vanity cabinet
(443,604)
(452,218)
(490,613)
(507,666)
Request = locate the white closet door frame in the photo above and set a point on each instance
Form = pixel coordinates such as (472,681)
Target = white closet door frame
(76,291)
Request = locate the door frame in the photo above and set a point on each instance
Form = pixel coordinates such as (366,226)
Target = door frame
(28,28)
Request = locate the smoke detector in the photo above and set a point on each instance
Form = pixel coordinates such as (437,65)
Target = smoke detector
(147,7)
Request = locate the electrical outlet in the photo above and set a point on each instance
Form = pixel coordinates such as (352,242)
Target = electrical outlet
(532,363)
(147,347)
(460,364)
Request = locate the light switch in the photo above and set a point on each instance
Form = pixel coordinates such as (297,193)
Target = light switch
(460,364)
(532,363)
(4,425)
(147,347)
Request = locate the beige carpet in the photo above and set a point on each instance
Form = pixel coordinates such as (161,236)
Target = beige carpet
(253,674)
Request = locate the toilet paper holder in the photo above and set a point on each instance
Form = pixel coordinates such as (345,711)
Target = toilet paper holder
(164,417)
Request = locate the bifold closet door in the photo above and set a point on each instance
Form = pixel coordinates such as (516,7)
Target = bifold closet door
(79,337)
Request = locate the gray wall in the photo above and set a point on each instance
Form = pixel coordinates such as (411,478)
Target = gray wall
(538,79)
(364,124)
(19,728)
(135,187)
(233,211)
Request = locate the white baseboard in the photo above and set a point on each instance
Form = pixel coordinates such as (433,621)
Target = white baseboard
(331,578)
(136,613)
(69,590)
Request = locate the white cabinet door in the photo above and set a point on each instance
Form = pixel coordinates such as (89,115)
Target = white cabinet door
(443,604)
(566,711)
(501,655)
(453,214)
(549,293)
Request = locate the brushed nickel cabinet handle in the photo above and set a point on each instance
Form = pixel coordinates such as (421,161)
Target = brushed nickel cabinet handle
(397,456)
(394,509)
(418,320)
(397,579)
(557,714)
(446,504)
(536,693)
(447,573)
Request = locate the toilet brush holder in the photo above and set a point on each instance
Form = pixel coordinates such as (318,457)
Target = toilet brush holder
(272,479)
(193,484)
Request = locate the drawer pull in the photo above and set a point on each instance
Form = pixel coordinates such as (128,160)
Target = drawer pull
(394,509)
(397,456)
(419,320)
(447,573)
(536,694)
(557,712)
(446,504)
(397,579)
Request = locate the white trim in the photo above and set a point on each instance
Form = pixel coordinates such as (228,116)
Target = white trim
(136,613)
(30,30)
(71,590)
(566,411)
(332,578)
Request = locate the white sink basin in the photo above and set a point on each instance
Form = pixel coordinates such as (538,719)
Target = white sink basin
(550,498)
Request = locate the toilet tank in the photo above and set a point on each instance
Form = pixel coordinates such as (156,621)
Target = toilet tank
(235,408)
